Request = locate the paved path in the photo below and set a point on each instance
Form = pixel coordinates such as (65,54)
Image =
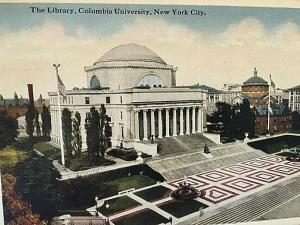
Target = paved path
(250,210)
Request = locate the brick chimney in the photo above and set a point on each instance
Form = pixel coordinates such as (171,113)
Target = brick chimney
(30,95)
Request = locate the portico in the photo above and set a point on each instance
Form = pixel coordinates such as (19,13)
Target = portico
(166,121)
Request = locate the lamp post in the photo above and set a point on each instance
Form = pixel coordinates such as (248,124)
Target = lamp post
(107,219)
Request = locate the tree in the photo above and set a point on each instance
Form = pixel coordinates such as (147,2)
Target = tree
(16,99)
(29,117)
(246,119)
(16,96)
(76,131)
(37,122)
(225,114)
(104,138)
(46,121)
(92,126)
(295,120)
(38,185)
(16,211)
(67,133)
(8,129)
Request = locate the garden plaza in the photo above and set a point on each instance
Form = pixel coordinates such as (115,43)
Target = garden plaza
(139,92)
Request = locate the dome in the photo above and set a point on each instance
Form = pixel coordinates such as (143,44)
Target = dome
(255,80)
(130,52)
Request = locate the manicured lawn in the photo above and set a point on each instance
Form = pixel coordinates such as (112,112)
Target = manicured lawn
(48,150)
(182,208)
(9,156)
(137,181)
(80,193)
(117,205)
(82,163)
(276,144)
(154,193)
(144,217)
(76,164)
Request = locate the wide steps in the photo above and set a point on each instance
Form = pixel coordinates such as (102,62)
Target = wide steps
(179,171)
(256,207)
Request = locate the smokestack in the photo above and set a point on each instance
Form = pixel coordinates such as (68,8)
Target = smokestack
(30,95)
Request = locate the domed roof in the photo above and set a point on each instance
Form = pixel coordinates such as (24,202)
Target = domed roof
(130,52)
(255,80)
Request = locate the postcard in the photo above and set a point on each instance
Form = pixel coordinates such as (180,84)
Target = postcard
(149,113)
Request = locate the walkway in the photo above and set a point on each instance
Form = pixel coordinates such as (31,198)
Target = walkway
(240,192)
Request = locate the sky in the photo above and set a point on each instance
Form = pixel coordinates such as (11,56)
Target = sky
(221,47)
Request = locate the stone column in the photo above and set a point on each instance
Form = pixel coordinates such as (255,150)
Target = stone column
(167,123)
(199,120)
(136,127)
(152,123)
(181,122)
(145,124)
(174,122)
(159,124)
(187,122)
(194,120)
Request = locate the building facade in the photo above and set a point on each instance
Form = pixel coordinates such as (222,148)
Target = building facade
(294,98)
(139,92)
(256,89)
(232,93)
(280,119)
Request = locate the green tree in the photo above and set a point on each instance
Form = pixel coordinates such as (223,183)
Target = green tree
(246,119)
(37,122)
(104,138)
(8,129)
(46,121)
(295,120)
(67,133)
(226,115)
(77,138)
(37,182)
(29,117)
(92,126)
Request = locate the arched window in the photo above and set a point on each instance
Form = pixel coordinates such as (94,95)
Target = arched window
(151,80)
(95,83)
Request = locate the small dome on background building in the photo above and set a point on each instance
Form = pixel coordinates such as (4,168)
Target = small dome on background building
(255,80)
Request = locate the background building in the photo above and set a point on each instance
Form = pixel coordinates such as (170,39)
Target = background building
(294,98)
(256,89)
(280,119)
(232,93)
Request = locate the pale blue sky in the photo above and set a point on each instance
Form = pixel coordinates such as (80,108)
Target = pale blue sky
(19,16)
(214,49)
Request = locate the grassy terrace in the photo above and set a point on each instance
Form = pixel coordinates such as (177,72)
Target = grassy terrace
(80,193)
(117,205)
(154,193)
(276,144)
(76,164)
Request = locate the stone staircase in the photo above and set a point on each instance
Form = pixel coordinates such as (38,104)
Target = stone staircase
(176,167)
(255,207)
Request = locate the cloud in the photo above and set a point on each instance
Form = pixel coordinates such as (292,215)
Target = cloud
(229,57)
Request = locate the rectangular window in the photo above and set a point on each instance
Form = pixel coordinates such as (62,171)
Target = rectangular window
(121,115)
(87,100)
(121,100)
(107,100)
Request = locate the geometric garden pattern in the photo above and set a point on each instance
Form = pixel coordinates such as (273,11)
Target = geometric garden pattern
(228,182)
(223,184)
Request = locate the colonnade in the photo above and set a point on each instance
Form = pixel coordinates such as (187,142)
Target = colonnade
(166,122)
